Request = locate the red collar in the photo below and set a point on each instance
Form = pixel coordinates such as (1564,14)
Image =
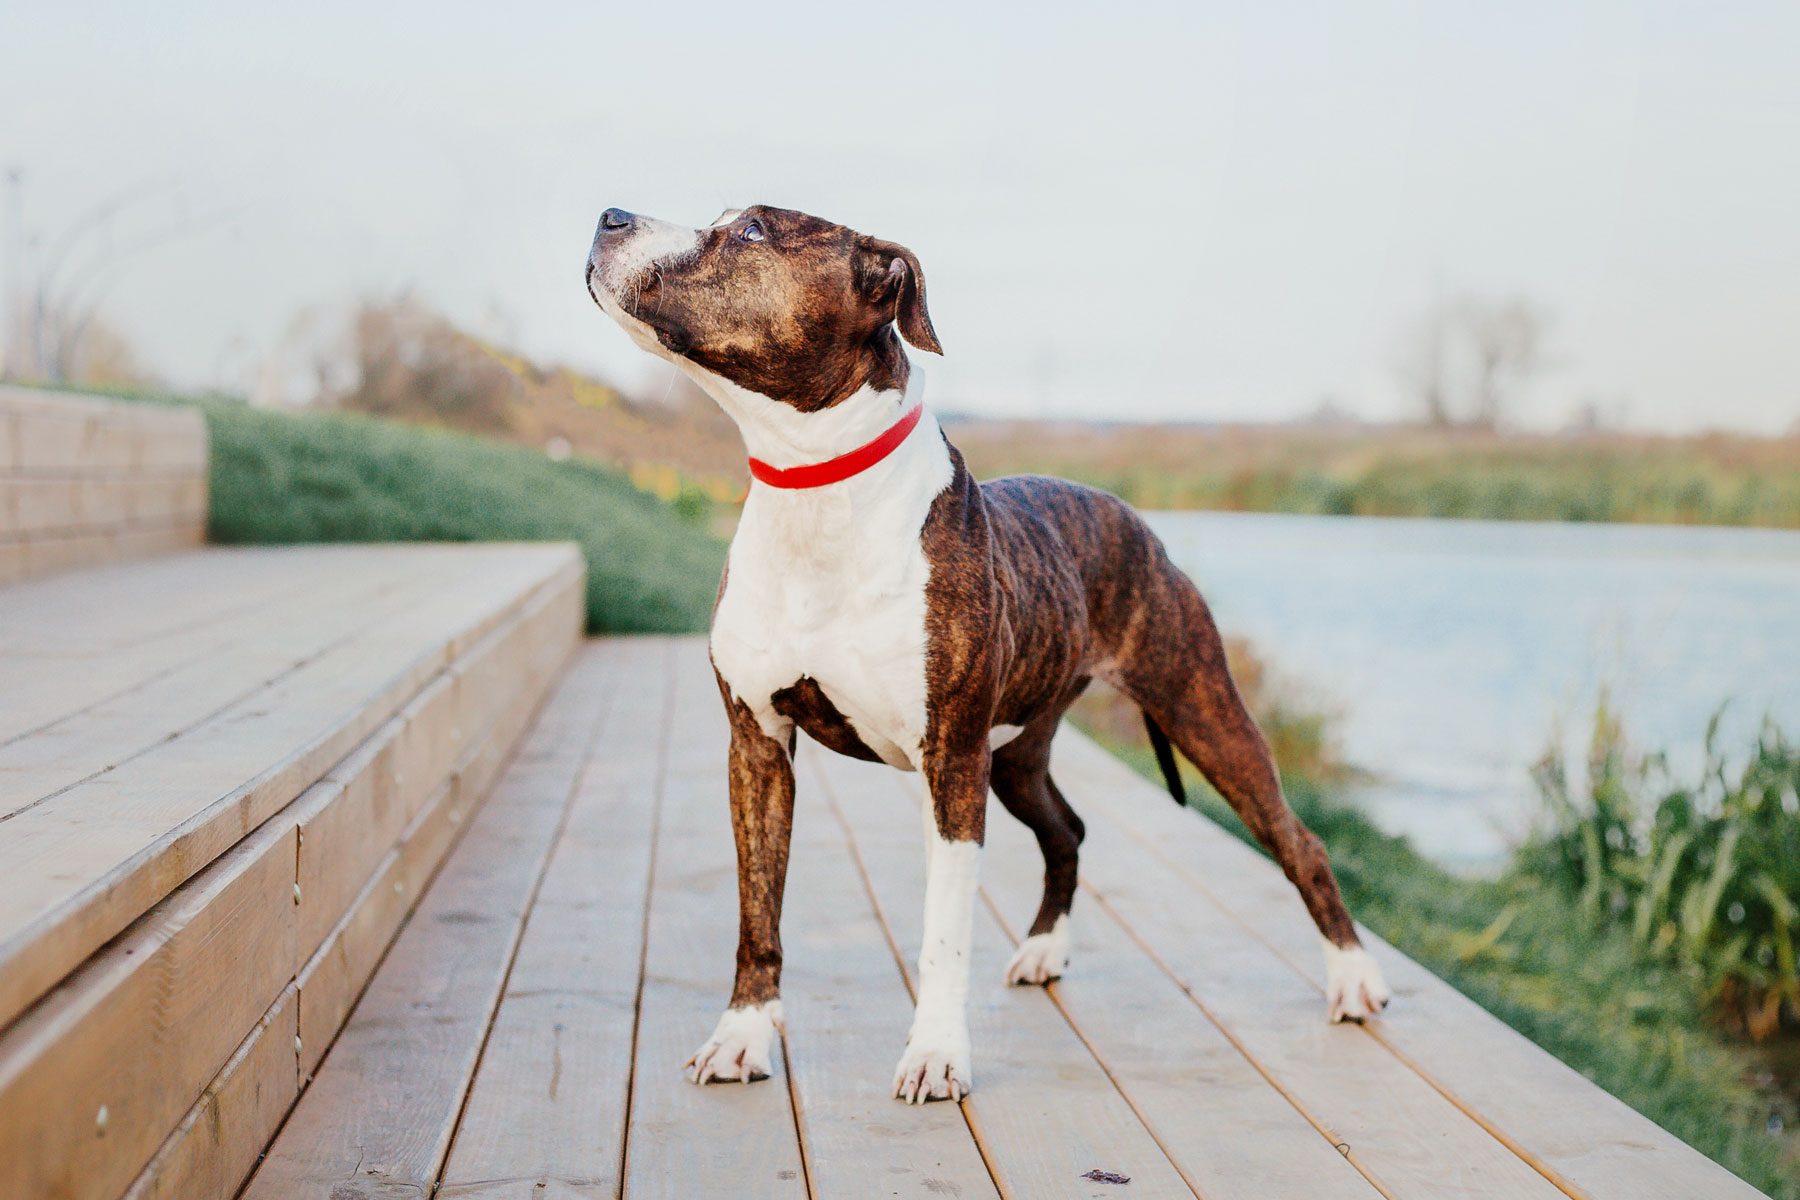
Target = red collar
(836,470)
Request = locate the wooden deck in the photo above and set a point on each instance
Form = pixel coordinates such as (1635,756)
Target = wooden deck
(225,778)
(523,1037)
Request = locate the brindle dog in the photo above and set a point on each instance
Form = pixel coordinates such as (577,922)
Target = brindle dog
(880,599)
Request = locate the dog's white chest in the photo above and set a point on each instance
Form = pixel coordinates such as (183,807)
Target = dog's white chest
(830,584)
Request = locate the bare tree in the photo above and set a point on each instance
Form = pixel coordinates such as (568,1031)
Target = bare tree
(402,359)
(1423,365)
(1506,339)
(1469,360)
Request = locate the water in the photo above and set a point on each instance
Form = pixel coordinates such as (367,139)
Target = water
(1455,650)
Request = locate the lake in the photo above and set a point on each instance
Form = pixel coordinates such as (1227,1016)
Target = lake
(1455,651)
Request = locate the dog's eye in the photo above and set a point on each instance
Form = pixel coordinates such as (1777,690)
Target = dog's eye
(751,232)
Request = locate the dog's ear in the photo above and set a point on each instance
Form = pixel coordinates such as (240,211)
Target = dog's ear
(890,278)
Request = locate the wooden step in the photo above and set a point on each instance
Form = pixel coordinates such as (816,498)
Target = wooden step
(86,481)
(209,834)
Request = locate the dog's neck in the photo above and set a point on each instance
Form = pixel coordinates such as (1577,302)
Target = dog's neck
(785,437)
(870,511)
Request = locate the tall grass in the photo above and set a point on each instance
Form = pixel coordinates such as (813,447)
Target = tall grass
(1703,876)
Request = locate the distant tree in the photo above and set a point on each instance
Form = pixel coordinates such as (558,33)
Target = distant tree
(1423,365)
(1467,361)
(403,359)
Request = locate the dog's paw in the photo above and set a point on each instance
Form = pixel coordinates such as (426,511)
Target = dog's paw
(935,1065)
(741,1047)
(1042,956)
(1354,989)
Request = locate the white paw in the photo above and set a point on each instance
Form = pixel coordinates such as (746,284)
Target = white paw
(741,1046)
(1042,956)
(936,1063)
(1354,989)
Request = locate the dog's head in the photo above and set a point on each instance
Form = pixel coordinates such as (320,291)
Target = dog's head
(781,304)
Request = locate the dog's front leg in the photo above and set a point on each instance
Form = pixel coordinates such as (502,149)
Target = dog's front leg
(762,822)
(936,1063)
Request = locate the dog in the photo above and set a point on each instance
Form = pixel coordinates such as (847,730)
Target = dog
(879,598)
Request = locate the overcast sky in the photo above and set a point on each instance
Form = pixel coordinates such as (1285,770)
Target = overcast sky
(1190,211)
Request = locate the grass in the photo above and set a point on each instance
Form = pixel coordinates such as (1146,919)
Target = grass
(332,477)
(1701,876)
(1399,471)
(1581,990)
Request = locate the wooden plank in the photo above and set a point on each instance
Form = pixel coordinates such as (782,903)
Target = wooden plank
(342,964)
(378,1118)
(332,978)
(1045,1108)
(172,598)
(331,855)
(1609,1150)
(86,481)
(249,656)
(116,833)
(213,1149)
(36,505)
(848,1008)
(77,868)
(1401,1132)
(750,1136)
(66,550)
(93,1079)
(546,1113)
(1178,1069)
(65,432)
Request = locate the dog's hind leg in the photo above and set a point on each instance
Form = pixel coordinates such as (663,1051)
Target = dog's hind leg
(1021,780)
(1176,671)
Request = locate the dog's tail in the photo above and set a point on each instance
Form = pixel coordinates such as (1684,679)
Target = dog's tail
(1165,758)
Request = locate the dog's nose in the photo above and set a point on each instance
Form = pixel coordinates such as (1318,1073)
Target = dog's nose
(614,220)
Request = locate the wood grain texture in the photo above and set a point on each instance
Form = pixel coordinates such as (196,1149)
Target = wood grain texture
(1176,1066)
(246,658)
(345,958)
(1045,1106)
(1412,1141)
(377,1119)
(80,865)
(546,1114)
(139,1032)
(1450,1041)
(63,655)
(213,1149)
(751,1146)
(848,1009)
(85,481)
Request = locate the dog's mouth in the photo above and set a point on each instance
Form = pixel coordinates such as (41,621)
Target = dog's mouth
(638,297)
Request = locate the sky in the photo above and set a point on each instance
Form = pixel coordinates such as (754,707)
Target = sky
(1191,211)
